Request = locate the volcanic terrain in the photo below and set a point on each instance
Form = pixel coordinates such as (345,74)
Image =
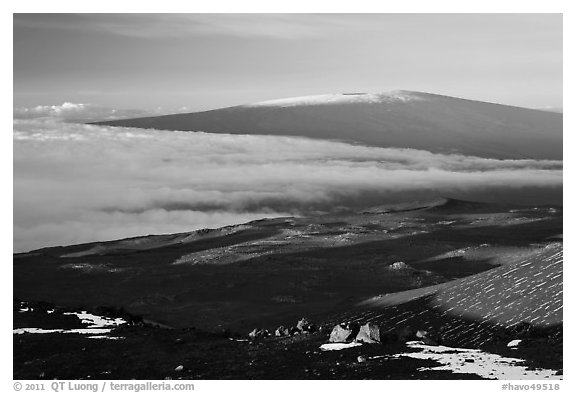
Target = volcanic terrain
(478,275)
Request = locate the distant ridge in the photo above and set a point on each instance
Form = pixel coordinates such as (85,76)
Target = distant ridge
(451,203)
(399,119)
(436,204)
(149,242)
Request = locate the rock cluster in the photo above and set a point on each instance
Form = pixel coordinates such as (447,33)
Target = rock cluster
(303,326)
(258,333)
(371,333)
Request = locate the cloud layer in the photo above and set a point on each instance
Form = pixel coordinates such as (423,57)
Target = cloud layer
(78,113)
(80,183)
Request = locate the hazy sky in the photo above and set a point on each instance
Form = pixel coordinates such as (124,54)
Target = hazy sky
(204,61)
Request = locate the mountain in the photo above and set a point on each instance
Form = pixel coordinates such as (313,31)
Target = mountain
(402,119)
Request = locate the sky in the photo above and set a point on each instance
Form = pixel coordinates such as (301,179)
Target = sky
(192,62)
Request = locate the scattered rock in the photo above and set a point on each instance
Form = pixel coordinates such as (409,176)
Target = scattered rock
(369,334)
(258,333)
(293,330)
(281,331)
(397,266)
(303,325)
(341,334)
(428,337)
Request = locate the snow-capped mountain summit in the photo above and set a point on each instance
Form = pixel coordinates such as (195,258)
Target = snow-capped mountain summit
(342,98)
(399,119)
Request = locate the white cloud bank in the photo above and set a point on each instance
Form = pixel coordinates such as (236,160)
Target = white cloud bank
(79,113)
(81,183)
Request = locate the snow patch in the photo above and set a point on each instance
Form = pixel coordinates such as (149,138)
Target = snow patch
(96,321)
(36,331)
(513,343)
(338,346)
(71,331)
(97,325)
(475,361)
(331,99)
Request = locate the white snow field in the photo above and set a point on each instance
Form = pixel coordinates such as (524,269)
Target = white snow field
(97,326)
(475,361)
(345,98)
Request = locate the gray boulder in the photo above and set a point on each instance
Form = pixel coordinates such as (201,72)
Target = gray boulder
(428,337)
(303,325)
(293,330)
(258,333)
(369,333)
(282,331)
(341,334)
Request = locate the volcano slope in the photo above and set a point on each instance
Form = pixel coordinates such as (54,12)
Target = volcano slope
(471,271)
(403,119)
(473,311)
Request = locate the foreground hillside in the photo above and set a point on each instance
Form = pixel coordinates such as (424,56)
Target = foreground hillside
(402,119)
(471,275)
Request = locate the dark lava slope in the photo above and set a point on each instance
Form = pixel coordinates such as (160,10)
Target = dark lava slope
(271,272)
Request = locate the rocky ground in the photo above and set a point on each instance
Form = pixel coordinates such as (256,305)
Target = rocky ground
(474,277)
(146,352)
(137,349)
